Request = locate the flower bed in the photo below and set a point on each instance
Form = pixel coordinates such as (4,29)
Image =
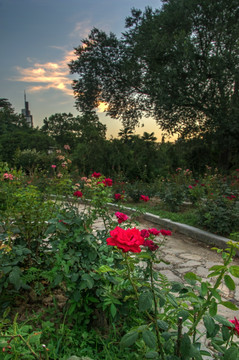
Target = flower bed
(112,307)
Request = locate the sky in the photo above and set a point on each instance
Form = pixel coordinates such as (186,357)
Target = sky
(38,38)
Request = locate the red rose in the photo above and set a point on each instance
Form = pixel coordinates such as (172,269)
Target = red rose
(165,232)
(121,217)
(96,175)
(144,233)
(154,231)
(78,194)
(190,187)
(144,198)
(236,323)
(127,240)
(151,245)
(117,196)
(107,182)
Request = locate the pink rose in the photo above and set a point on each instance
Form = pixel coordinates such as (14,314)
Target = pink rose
(53,166)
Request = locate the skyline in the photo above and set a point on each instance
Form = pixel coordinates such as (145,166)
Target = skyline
(38,41)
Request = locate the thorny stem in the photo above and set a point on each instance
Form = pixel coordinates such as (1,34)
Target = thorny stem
(160,346)
(130,278)
(210,295)
(180,322)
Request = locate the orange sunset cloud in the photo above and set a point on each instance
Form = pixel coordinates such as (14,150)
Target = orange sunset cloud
(50,75)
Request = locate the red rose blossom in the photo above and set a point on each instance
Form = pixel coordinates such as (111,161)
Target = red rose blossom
(121,217)
(117,196)
(236,323)
(107,182)
(165,232)
(144,233)
(78,194)
(144,198)
(150,244)
(127,240)
(96,175)
(154,231)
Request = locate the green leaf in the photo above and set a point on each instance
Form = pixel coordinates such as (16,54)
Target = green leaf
(151,355)
(213,308)
(225,333)
(231,354)
(105,268)
(191,277)
(50,230)
(209,324)
(184,314)
(75,277)
(222,320)
(234,270)
(229,305)
(113,310)
(217,268)
(206,353)
(14,277)
(176,287)
(172,300)
(185,346)
(162,325)
(145,301)
(229,282)
(89,280)
(60,226)
(149,338)
(129,339)
(216,294)
(203,289)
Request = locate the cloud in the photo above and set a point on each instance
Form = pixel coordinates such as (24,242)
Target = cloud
(81,29)
(49,75)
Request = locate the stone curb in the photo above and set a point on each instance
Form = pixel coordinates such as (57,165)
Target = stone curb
(191,231)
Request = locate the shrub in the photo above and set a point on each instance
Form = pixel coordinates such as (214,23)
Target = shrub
(219,214)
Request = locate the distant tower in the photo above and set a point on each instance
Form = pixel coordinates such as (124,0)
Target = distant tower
(26,112)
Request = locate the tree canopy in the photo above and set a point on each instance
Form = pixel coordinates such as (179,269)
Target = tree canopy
(69,129)
(178,64)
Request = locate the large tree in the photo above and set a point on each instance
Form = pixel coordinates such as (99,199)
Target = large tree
(178,64)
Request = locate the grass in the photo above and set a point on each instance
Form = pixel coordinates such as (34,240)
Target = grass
(186,216)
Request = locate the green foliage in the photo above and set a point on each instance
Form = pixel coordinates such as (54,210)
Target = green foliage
(218,214)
